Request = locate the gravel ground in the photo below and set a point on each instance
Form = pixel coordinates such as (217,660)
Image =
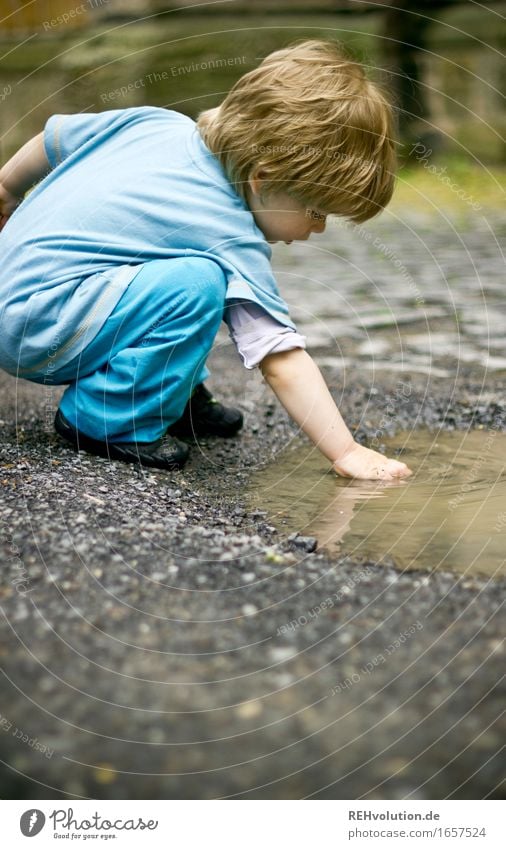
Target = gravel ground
(161,640)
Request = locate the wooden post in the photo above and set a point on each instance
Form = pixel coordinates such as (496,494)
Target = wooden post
(42,15)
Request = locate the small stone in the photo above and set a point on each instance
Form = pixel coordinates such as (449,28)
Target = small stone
(281,653)
(306,543)
(249,710)
(258,514)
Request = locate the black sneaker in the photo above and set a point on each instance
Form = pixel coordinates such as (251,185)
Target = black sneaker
(205,416)
(164,453)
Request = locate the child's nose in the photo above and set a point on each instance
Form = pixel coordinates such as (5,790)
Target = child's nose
(319,226)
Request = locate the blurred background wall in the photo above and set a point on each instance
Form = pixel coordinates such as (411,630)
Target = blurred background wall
(442,60)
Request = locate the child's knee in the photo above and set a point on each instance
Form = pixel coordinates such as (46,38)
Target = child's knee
(212,280)
(209,287)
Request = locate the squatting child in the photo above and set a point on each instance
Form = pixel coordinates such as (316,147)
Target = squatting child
(146,229)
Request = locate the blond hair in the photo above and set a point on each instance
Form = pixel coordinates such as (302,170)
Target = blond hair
(312,120)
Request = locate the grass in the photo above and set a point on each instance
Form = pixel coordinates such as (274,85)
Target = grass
(469,186)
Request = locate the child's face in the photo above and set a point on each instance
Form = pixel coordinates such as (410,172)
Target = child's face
(280,217)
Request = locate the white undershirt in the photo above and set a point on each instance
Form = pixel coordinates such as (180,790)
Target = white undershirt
(255,333)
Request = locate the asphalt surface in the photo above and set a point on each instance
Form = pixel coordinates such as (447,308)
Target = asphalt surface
(161,639)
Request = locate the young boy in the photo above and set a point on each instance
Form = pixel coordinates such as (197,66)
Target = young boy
(145,230)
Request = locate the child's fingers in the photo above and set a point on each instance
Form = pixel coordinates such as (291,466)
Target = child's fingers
(364,464)
(393,469)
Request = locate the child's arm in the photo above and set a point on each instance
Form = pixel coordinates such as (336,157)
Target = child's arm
(299,385)
(20,173)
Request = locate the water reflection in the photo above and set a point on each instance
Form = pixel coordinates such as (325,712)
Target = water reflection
(450,515)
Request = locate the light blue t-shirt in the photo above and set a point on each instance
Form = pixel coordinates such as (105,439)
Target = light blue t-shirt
(127,186)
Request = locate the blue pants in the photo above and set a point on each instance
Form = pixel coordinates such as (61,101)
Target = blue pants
(136,376)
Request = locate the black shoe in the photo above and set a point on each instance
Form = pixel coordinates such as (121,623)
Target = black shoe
(204,416)
(164,453)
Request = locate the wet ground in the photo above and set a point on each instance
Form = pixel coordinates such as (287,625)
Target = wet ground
(161,638)
(412,293)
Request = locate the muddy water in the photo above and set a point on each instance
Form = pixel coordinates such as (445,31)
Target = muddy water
(450,515)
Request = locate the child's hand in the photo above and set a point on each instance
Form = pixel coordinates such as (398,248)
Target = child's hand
(8,204)
(365,464)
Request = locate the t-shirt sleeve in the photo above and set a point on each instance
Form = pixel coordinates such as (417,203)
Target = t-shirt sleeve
(64,134)
(256,334)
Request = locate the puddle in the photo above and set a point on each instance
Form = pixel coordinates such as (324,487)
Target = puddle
(450,515)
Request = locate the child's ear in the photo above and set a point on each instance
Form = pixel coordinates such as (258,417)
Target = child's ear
(257,179)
